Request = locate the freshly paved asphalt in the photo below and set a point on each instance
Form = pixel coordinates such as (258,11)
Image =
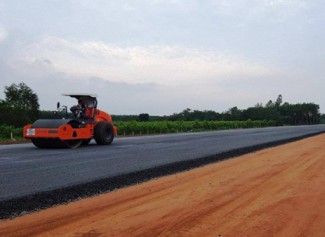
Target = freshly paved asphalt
(25,169)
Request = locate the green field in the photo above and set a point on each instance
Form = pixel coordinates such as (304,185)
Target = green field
(159,127)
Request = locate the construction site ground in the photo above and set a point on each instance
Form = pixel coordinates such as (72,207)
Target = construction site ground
(273,192)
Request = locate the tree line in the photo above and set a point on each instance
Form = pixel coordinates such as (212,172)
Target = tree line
(21,107)
(281,113)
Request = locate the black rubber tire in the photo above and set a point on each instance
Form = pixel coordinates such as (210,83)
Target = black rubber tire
(85,142)
(104,133)
(48,143)
(38,142)
(73,143)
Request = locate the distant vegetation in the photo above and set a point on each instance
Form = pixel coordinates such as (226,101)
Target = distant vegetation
(322,119)
(21,107)
(279,112)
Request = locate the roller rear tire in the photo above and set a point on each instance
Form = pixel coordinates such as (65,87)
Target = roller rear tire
(104,133)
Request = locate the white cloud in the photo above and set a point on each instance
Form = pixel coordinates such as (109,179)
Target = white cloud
(164,65)
(281,10)
(198,54)
(3,33)
(268,10)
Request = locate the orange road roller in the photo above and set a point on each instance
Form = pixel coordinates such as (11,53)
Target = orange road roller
(87,122)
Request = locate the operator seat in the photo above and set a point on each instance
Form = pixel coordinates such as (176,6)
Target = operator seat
(77,111)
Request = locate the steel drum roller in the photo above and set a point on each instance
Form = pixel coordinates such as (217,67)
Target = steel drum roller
(54,143)
(53,123)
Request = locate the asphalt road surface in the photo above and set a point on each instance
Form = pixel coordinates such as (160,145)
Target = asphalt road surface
(25,169)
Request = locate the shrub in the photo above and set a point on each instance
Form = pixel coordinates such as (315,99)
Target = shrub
(5,131)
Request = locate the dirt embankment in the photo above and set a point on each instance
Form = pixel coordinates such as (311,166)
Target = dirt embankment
(274,192)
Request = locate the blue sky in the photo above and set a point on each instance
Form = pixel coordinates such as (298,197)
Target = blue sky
(160,56)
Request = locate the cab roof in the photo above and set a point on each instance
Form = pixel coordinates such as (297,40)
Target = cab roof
(78,95)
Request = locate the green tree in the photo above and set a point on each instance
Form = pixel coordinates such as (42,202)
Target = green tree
(143,117)
(270,104)
(233,114)
(295,114)
(21,103)
(21,96)
(278,101)
(262,113)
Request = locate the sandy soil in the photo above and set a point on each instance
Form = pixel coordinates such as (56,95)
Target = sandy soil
(274,192)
